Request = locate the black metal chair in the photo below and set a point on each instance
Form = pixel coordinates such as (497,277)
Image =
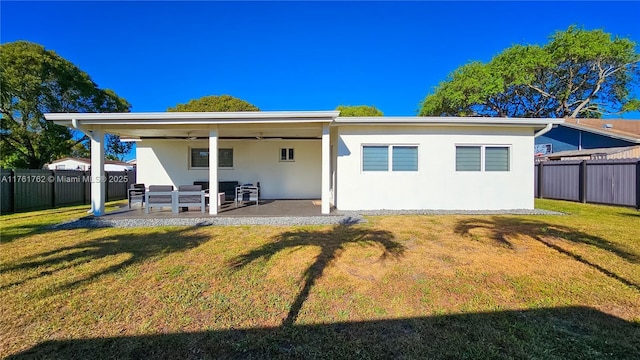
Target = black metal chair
(136,191)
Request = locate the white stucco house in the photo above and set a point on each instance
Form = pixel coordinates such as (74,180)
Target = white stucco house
(350,163)
(70,163)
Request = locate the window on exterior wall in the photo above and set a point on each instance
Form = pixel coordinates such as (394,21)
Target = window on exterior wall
(496,158)
(225,158)
(287,154)
(200,158)
(404,158)
(470,158)
(376,158)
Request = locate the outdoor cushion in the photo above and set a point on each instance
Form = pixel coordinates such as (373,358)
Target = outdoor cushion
(189,198)
(160,199)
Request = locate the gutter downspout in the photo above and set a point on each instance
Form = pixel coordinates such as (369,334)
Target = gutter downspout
(76,125)
(543,131)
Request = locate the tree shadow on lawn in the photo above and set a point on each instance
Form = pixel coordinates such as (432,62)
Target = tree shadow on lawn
(632,215)
(331,244)
(548,333)
(139,247)
(502,229)
(11,232)
(43,222)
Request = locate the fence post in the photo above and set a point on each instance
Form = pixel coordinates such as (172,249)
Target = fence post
(106,186)
(12,201)
(13,191)
(53,189)
(540,173)
(582,182)
(84,187)
(638,185)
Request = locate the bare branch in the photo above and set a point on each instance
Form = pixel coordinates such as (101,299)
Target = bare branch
(594,91)
(544,93)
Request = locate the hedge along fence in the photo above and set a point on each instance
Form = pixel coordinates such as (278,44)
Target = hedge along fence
(612,182)
(27,189)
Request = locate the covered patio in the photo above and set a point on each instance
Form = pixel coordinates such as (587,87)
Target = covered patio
(266,208)
(213,148)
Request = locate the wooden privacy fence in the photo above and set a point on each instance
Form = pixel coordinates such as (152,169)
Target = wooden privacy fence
(613,182)
(26,189)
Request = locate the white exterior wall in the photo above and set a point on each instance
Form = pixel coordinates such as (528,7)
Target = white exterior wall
(69,165)
(112,167)
(166,162)
(77,165)
(436,184)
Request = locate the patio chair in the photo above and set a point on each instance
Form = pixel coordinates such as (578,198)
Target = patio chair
(247,193)
(228,188)
(191,195)
(136,191)
(159,196)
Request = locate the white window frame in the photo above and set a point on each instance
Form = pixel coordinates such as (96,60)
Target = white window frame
(482,157)
(191,167)
(390,158)
(289,151)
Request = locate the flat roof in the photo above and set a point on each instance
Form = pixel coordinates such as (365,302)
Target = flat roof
(585,152)
(445,120)
(240,117)
(275,117)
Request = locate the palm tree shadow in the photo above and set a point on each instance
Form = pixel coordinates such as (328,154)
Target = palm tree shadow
(502,229)
(138,247)
(541,333)
(331,243)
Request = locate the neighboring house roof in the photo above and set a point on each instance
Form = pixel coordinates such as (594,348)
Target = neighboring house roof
(632,151)
(628,130)
(88,161)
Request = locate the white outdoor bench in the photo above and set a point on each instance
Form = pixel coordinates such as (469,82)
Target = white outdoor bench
(164,196)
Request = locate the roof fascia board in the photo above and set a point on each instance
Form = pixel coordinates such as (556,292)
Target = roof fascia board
(192,122)
(151,116)
(444,121)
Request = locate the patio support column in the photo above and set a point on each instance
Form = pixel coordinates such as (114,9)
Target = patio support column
(326,171)
(98,181)
(213,170)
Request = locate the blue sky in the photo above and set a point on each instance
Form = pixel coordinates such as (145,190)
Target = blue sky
(293,55)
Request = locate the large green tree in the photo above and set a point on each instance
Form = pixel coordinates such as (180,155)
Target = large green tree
(35,81)
(213,103)
(578,73)
(359,110)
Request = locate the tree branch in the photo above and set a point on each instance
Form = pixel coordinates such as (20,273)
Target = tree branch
(594,91)
(8,141)
(544,93)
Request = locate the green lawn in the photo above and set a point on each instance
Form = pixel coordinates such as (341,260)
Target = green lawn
(395,287)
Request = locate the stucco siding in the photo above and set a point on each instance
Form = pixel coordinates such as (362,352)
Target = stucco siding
(436,184)
(167,162)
